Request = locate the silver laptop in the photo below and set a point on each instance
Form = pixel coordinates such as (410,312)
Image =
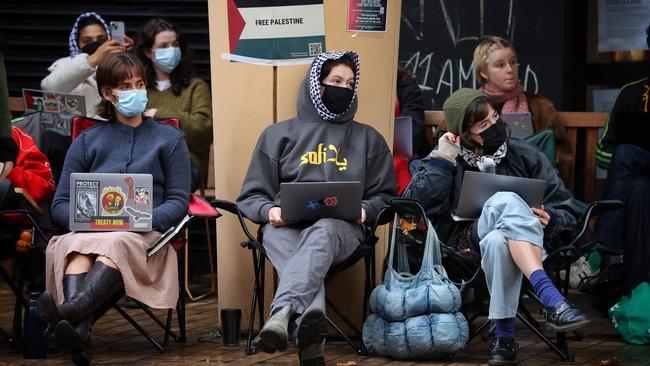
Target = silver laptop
(403,137)
(308,201)
(478,187)
(111,202)
(520,125)
(64,105)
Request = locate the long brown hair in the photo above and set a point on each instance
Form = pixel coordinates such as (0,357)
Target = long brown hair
(115,68)
(182,74)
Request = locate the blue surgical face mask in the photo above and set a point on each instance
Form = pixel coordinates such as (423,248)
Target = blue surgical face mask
(131,102)
(168,58)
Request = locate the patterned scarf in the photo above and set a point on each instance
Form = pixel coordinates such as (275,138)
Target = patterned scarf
(314,81)
(483,162)
(74,34)
(514,101)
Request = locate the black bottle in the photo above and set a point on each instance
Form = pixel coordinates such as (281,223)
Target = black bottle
(34,342)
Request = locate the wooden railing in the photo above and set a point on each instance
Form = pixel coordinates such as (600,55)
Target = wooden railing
(588,122)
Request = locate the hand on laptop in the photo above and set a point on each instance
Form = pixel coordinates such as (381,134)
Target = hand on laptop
(275,218)
(543,216)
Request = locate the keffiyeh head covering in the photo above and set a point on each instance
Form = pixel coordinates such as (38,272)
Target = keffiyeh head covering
(314,81)
(74,34)
(484,163)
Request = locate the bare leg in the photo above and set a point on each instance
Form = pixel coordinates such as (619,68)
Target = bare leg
(79,263)
(106,261)
(527,257)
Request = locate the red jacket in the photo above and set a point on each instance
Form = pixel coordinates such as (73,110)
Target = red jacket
(32,171)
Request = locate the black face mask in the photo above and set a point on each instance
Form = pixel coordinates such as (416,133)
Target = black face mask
(90,48)
(493,137)
(337,99)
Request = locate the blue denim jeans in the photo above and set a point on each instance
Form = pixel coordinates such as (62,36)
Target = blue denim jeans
(505,216)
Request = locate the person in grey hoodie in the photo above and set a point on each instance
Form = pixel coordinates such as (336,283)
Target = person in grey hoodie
(302,252)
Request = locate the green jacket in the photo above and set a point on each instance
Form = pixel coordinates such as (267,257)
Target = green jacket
(194,109)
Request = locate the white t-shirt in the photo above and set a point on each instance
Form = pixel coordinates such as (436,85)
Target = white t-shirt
(162,85)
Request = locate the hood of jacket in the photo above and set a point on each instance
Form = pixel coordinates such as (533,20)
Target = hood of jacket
(74,34)
(310,104)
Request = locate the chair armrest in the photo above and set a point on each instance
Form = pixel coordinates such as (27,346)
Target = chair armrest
(594,209)
(28,198)
(232,208)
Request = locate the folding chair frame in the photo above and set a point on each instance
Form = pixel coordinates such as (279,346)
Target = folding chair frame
(366,251)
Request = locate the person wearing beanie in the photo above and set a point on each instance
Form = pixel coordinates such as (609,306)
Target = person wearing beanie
(506,241)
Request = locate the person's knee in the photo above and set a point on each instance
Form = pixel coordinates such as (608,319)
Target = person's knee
(506,199)
(495,245)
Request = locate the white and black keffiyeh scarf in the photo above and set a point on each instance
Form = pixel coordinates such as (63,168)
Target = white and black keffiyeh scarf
(74,34)
(314,81)
(483,162)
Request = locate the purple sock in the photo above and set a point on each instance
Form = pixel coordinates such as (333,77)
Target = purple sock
(544,288)
(505,328)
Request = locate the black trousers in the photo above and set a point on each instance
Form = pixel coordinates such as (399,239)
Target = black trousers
(627,230)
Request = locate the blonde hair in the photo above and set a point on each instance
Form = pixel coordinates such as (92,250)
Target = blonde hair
(483,51)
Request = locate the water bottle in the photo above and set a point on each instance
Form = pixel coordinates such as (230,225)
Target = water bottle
(34,342)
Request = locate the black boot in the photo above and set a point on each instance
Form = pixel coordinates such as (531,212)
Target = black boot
(312,332)
(78,339)
(47,308)
(100,283)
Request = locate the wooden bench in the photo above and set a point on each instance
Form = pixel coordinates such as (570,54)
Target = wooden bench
(587,123)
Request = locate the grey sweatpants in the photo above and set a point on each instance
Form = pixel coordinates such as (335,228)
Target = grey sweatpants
(303,255)
(505,216)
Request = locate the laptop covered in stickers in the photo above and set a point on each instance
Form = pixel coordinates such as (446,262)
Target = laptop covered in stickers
(111,202)
(310,201)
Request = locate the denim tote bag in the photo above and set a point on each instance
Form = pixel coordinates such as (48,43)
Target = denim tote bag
(415,316)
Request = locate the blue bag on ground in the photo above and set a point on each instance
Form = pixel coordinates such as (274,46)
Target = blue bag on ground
(415,316)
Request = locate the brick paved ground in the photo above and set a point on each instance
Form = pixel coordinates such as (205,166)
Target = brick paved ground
(116,342)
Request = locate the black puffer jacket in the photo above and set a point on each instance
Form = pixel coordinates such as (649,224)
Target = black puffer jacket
(437,184)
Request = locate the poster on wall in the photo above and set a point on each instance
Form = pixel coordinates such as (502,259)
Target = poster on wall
(367,15)
(622,25)
(286,32)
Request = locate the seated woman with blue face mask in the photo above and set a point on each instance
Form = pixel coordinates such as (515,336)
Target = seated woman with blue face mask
(84,269)
(175,92)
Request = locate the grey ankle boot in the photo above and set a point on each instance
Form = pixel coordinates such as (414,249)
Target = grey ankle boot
(275,333)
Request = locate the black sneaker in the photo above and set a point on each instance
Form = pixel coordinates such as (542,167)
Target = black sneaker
(503,351)
(312,333)
(564,317)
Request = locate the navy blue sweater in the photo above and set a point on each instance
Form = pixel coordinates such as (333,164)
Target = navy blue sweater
(150,148)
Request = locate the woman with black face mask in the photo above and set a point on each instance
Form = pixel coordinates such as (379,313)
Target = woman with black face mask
(90,42)
(323,143)
(506,241)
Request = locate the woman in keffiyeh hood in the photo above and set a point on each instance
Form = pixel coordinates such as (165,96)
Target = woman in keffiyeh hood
(322,143)
(89,42)
(507,238)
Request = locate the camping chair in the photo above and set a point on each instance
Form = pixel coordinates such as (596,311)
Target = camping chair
(365,251)
(176,237)
(558,258)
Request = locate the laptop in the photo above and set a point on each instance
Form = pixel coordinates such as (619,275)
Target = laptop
(309,201)
(520,125)
(110,201)
(64,105)
(633,128)
(478,187)
(403,137)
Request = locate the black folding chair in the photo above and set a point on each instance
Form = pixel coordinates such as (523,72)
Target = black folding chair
(365,251)
(558,259)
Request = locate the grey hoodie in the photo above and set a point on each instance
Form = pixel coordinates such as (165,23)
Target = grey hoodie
(315,146)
